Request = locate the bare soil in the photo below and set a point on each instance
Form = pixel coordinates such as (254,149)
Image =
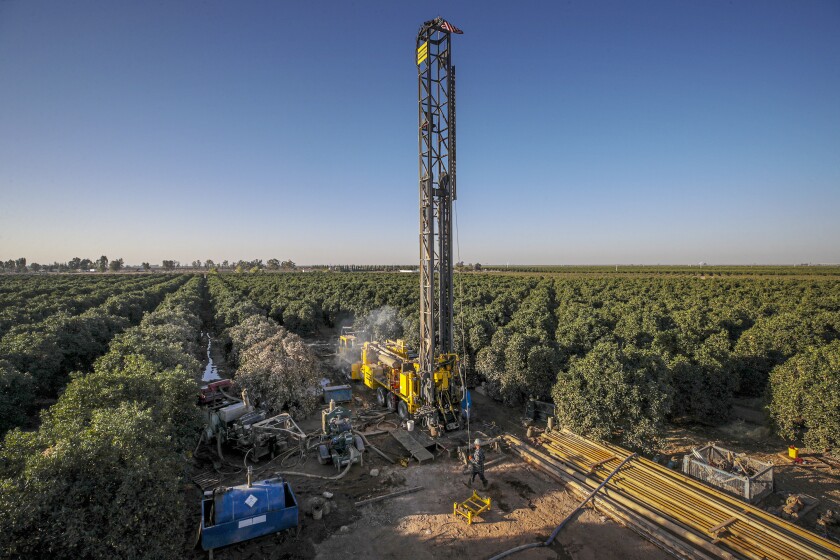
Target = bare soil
(812,478)
(526,505)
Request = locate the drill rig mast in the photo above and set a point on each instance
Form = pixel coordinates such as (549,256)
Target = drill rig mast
(427,385)
(436,146)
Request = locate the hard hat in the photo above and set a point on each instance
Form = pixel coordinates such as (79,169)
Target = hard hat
(477,442)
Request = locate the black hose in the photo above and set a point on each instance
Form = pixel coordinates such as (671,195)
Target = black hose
(567,518)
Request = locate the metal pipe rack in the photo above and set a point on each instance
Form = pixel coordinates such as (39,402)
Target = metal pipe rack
(709,520)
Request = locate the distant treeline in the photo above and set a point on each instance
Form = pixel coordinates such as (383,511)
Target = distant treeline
(696,270)
(103,264)
(76,264)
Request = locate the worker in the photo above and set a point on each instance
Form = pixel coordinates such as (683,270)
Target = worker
(477,465)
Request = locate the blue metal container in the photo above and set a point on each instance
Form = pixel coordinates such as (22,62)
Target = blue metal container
(239,513)
(338,393)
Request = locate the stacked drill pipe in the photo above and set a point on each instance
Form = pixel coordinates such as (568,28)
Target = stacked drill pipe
(677,541)
(710,521)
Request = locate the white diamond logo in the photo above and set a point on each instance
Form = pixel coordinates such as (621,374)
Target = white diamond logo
(251,500)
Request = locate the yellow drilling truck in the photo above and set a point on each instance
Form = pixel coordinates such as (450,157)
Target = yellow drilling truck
(394,372)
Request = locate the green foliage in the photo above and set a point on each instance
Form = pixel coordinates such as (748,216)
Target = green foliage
(301,316)
(137,379)
(806,397)
(106,464)
(17,394)
(659,270)
(775,338)
(25,300)
(48,350)
(275,366)
(523,358)
(705,382)
(111,486)
(615,393)
(719,331)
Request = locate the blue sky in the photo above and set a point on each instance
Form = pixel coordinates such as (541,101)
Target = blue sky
(589,131)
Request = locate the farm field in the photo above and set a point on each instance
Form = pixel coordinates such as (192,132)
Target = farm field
(655,363)
(650,350)
(253,306)
(52,326)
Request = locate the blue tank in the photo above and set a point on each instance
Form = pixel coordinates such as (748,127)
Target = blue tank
(239,513)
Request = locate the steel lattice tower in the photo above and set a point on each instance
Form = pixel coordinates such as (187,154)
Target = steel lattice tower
(436,143)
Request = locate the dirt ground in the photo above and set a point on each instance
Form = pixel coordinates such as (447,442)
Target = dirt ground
(813,478)
(526,505)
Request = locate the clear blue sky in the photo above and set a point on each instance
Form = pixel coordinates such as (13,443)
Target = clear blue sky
(589,131)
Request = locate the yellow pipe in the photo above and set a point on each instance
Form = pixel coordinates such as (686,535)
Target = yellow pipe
(535,457)
(702,506)
(685,507)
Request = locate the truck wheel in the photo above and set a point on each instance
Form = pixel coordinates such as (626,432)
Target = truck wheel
(392,402)
(380,396)
(402,410)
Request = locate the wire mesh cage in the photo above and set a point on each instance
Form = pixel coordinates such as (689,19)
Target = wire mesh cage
(733,472)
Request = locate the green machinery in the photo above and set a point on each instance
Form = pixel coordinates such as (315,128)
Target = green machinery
(339,445)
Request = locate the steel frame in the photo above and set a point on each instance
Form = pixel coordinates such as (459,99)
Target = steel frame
(437,185)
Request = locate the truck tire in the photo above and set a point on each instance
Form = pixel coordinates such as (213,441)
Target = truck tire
(381,396)
(402,409)
(392,402)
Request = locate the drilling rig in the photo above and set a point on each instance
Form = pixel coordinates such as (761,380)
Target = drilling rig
(428,385)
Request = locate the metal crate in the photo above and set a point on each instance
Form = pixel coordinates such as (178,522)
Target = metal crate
(705,464)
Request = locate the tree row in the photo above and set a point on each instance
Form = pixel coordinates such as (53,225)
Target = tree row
(620,356)
(102,476)
(27,300)
(36,359)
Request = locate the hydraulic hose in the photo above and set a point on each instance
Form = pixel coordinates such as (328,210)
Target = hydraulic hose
(371,446)
(353,454)
(566,519)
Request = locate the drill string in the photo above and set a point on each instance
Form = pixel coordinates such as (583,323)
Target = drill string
(461,319)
